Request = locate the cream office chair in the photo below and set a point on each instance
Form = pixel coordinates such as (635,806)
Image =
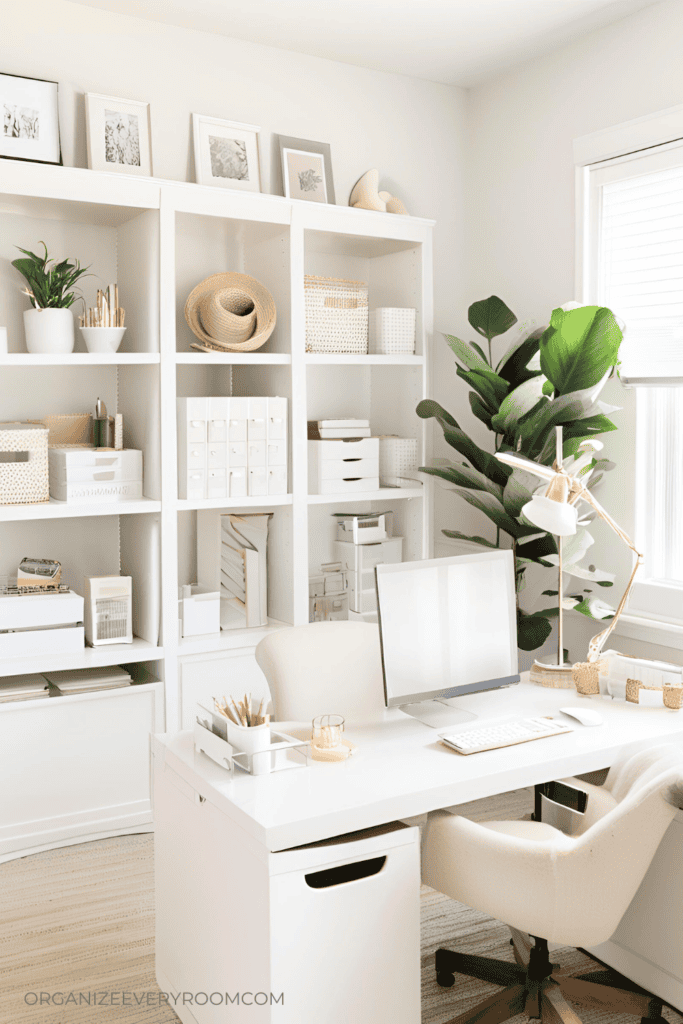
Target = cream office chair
(322,668)
(567,889)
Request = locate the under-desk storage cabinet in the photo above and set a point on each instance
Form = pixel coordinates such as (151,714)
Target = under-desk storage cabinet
(295,929)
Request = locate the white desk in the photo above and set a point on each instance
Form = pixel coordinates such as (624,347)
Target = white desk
(399,770)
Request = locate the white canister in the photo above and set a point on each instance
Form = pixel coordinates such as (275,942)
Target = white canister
(253,740)
(49,331)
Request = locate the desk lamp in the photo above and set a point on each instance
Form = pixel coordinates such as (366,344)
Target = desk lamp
(555,512)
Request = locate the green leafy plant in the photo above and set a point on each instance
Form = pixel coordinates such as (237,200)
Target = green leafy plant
(49,283)
(545,378)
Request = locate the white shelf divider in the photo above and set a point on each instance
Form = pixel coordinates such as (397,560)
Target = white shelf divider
(80,359)
(54,509)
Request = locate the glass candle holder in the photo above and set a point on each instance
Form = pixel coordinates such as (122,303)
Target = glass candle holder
(327,732)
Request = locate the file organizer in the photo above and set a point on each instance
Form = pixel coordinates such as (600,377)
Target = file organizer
(231,447)
(232,559)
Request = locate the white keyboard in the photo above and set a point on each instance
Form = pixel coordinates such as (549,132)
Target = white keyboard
(504,734)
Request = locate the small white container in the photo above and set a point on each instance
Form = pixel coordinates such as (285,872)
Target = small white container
(103,339)
(254,740)
(392,331)
(200,611)
(49,331)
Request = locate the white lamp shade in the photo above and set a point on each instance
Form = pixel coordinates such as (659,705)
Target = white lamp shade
(555,517)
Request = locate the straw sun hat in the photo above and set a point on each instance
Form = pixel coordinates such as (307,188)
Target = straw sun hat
(233,312)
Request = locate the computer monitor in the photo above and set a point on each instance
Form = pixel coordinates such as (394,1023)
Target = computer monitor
(448,626)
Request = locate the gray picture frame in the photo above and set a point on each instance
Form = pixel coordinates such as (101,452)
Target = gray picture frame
(307,146)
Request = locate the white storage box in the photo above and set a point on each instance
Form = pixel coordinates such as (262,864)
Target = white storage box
(392,331)
(50,640)
(83,475)
(398,461)
(342,466)
(32,611)
(199,611)
(364,529)
(336,315)
(24,476)
(109,610)
(359,561)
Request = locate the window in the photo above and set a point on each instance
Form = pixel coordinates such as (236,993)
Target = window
(634,264)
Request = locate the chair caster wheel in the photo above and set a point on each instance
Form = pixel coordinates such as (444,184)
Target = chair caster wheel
(445,980)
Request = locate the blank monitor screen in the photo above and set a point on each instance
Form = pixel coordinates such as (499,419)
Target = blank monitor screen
(447,626)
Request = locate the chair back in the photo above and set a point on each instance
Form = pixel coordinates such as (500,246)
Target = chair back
(323,668)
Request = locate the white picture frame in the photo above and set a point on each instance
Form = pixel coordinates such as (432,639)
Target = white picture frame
(30,122)
(119,135)
(306,168)
(226,153)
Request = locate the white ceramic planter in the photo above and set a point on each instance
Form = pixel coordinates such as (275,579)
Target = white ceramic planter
(103,339)
(49,331)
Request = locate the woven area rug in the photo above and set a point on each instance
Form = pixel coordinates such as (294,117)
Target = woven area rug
(81,920)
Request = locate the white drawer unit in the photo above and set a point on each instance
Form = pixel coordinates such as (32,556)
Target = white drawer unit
(359,561)
(339,467)
(220,440)
(83,475)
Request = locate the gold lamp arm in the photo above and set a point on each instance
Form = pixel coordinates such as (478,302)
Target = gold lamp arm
(583,494)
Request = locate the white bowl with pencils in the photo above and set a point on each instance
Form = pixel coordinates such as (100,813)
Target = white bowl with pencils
(103,339)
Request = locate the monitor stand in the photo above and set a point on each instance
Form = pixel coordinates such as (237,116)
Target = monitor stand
(440,713)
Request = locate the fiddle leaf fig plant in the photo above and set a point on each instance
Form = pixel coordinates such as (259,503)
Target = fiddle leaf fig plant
(544,378)
(49,286)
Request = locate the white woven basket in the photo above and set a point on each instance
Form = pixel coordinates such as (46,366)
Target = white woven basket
(398,461)
(27,481)
(336,315)
(392,331)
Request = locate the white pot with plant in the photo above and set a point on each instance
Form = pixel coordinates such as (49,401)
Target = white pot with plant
(49,324)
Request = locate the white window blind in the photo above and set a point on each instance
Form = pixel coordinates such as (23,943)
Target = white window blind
(635,252)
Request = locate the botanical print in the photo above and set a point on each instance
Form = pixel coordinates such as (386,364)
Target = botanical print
(228,158)
(305,173)
(121,138)
(20,122)
(309,180)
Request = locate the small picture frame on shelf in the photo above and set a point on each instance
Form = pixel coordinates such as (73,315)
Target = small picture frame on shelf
(226,153)
(30,120)
(119,135)
(306,170)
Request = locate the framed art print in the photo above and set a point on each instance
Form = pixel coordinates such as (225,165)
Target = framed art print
(30,120)
(306,170)
(119,135)
(226,153)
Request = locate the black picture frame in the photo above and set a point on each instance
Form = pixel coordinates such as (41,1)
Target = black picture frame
(14,141)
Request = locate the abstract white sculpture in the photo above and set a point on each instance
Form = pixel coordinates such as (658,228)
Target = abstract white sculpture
(365,195)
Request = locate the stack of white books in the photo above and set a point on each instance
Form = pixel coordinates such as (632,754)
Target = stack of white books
(84,680)
(335,430)
(23,688)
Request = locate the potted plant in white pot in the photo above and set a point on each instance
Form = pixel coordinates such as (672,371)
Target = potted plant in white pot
(49,324)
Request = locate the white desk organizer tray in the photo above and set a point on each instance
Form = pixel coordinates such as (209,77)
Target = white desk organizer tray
(230,747)
(83,475)
(633,680)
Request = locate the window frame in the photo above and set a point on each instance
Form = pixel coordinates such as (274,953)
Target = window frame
(624,145)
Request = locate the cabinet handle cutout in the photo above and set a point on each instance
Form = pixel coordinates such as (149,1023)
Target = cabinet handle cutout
(328,877)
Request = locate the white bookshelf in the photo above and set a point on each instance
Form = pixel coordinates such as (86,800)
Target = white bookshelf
(159,239)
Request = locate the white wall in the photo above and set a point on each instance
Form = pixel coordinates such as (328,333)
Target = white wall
(520,194)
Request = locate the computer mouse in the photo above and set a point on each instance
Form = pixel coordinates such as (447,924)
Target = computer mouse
(587,716)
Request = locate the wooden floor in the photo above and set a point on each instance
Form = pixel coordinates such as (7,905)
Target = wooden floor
(81,920)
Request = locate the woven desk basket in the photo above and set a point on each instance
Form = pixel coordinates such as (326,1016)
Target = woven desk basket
(336,315)
(27,481)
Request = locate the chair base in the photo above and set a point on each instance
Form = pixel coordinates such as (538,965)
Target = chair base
(538,988)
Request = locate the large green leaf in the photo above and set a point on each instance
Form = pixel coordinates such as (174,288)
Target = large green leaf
(491,317)
(515,365)
(486,463)
(515,405)
(532,631)
(494,509)
(464,476)
(480,409)
(579,347)
(428,408)
(465,354)
(517,492)
(456,535)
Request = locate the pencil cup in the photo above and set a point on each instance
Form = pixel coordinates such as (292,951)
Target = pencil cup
(255,741)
